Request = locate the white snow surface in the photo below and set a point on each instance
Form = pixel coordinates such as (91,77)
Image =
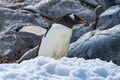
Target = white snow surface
(45,68)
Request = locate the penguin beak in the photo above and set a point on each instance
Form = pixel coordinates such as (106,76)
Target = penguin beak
(83,22)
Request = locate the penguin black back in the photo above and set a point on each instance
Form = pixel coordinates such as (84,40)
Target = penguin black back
(68,20)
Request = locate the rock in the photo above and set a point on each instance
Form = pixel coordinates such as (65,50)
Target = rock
(105,4)
(98,11)
(11,19)
(109,18)
(33,29)
(91,3)
(11,1)
(78,31)
(15,44)
(117,2)
(32,53)
(103,44)
(57,8)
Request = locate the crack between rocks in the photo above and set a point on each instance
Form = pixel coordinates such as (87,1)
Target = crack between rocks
(93,33)
(108,35)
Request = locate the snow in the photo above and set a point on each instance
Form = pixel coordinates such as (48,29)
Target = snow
(45,68)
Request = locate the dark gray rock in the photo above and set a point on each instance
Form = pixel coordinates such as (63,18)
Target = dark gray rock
(32,53)
(78,31)
(98,11)
(10,19)
(103,44)
(91,3)
(11,1)
(15,44)
(57,8)
(105,4)
(109,18)
(117,2)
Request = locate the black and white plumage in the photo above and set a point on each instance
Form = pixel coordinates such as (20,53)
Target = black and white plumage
(56,41)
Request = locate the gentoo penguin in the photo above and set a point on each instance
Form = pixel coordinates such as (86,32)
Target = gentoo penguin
(56,41)
(33,29)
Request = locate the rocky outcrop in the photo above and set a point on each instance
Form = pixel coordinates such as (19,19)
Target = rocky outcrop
(32,53)
(14,44)
(117,2)
(105,4)
(109,18)
(56,8)
(78,31)
(98,44)
(12,19)
(90,3)
(15,14)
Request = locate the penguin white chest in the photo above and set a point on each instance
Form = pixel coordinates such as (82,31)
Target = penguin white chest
(56,42)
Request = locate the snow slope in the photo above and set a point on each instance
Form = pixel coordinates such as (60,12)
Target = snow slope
(44,68)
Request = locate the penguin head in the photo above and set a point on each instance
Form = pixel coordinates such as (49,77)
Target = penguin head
(69,20)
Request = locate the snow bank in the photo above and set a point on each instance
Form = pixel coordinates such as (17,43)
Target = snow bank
(44,68)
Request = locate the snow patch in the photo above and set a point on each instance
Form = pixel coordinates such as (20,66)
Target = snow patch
(45,68)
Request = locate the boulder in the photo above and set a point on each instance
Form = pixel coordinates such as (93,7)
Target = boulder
(91,3)
(15,44)
(56,8)
(109,18)
(103,44)
(11,19)
(105,4)
(32,53)
(78,31)
(117,2)
(98,11)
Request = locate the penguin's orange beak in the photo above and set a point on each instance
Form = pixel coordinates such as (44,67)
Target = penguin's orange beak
(83,22)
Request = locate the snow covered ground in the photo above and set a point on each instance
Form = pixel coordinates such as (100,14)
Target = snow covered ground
(44,68)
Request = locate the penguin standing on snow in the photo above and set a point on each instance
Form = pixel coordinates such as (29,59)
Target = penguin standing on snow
(56,41)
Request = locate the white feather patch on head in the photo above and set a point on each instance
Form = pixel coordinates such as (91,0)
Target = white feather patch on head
(72,16)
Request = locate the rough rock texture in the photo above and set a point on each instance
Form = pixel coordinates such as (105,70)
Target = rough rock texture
(109,18)
(105,4)
(91,3)
(56,8)
(10,19)
(78,31)
(98,11)
(103,44)
(117,2)
(17,4)
(15,14)
(15,44)
(32,53)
